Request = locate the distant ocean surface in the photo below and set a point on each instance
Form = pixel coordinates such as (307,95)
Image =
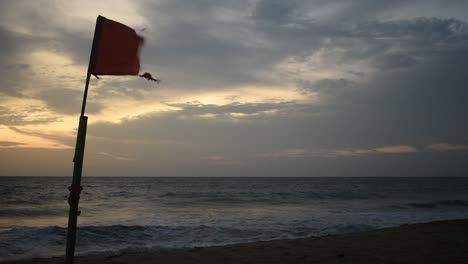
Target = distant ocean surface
(128,214)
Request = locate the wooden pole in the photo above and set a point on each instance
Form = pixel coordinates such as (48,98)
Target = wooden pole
(75,188)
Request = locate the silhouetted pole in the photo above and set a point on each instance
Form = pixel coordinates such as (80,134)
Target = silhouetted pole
(75,188)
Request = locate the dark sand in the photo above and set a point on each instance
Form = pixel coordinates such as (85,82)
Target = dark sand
(437,242)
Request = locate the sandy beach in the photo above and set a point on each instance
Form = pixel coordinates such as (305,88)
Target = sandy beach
(436,242)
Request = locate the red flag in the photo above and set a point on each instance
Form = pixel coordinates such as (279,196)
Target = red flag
(117,49)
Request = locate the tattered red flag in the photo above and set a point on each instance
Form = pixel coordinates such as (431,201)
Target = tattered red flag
(117,49)
(148,77)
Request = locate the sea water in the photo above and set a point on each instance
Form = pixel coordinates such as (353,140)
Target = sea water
(130,214)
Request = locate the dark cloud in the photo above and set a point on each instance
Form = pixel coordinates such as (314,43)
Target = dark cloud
(57,137)
(134,88)
(8,45)
(427,31)
(9,117)
(199,109)
(416,105)
(197,49)
(394,77)
(9,143)
(17,66)
(275,11)
(326,86)
(395,61)
(66,101)
(273,31)
(417,96)
(402,106)
(13,70)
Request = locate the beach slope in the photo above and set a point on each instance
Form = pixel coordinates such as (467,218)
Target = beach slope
(436,242)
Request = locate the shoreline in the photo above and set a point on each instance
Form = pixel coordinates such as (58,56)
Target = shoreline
(434,242)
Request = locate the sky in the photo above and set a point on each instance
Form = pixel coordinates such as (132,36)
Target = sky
(249,88)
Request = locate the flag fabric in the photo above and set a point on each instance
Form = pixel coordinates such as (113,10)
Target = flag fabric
(148,77)
(117,49)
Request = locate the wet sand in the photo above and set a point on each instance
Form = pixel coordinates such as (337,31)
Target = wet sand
(436,242)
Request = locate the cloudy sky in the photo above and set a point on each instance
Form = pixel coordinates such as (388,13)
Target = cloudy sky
(250,88)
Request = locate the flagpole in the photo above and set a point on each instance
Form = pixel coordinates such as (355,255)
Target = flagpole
(75,188)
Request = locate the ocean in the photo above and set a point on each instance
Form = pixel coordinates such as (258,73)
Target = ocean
(138,214)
